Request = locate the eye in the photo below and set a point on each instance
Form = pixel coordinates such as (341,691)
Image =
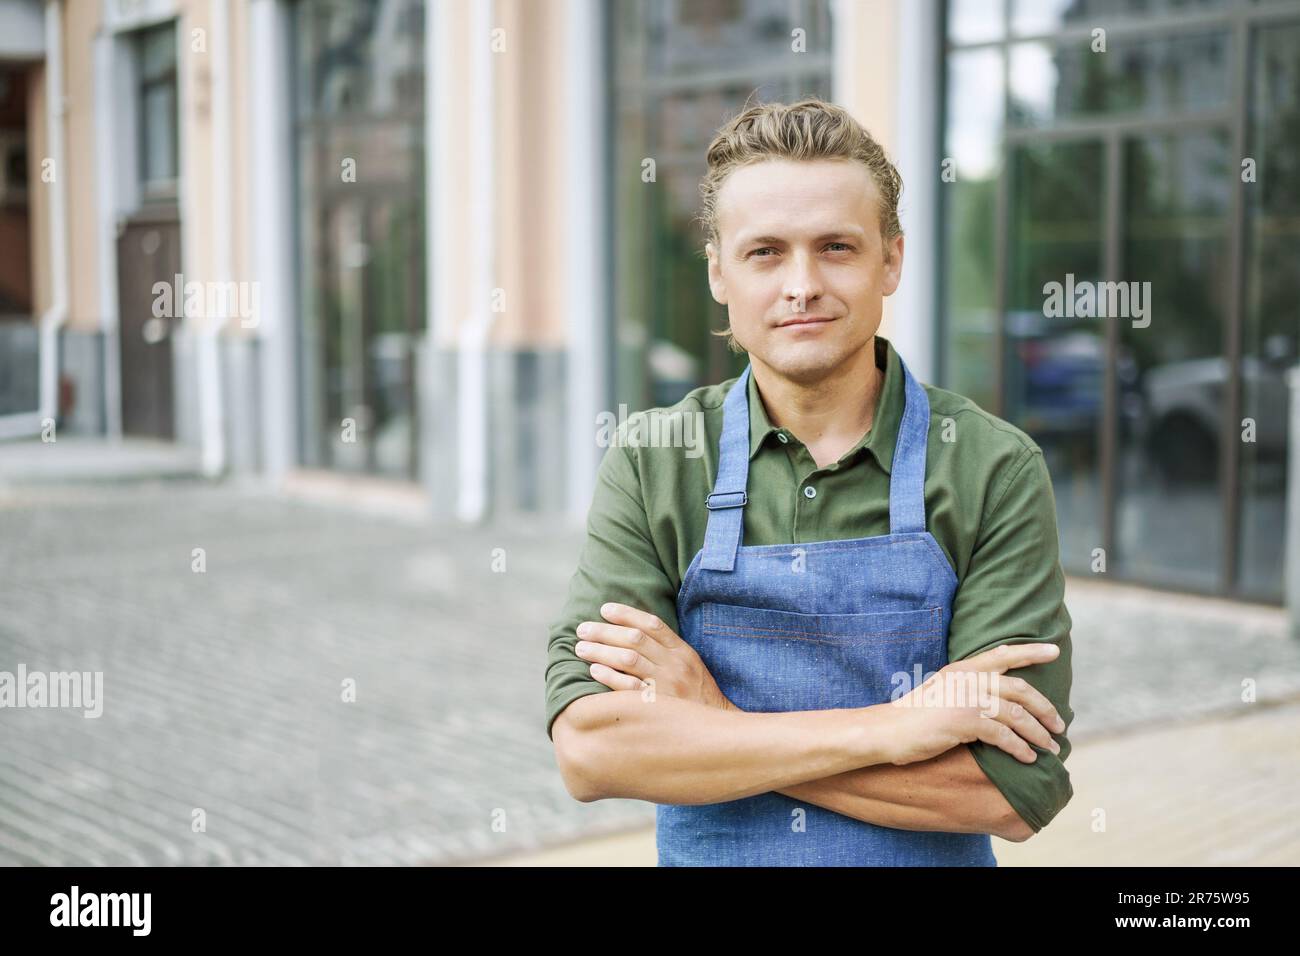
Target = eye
(843,245)
(763,249)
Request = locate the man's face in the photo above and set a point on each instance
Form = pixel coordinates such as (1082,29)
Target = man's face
(801,267)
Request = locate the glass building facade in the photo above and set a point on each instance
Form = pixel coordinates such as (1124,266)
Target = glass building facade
(359,115)
(680,70)
(1158,153)
(1157,156)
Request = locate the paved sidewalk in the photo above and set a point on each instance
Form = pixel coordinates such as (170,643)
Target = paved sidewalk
(76,458)
(223,689)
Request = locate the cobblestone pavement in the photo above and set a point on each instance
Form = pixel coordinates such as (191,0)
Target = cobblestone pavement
(223,689)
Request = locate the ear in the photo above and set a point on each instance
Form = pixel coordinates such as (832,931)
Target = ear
(717,285)
(893,274)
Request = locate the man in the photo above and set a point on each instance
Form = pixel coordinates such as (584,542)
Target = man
(747,634)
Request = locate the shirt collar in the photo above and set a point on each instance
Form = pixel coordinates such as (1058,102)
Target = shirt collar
(882,435)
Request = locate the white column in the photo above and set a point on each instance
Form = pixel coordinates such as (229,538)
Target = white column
(106,152)
(271,221)
(212,403)
(57,314)
(917,159)
(885,72)
(472,378)
(587,267)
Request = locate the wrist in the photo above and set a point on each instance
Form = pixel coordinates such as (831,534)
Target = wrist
(872,731)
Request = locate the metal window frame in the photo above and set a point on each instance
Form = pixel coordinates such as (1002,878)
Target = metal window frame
(1240,20)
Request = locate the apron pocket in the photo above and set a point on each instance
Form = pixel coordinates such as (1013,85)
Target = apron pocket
(771,661)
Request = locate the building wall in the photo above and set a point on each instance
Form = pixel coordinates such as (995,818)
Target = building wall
(866,69)
(80,23)
(533,425)
(89,338)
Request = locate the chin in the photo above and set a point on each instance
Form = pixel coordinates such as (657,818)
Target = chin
(806,362)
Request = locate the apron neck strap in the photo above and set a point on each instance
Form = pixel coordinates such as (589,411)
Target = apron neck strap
(727,503)
(722,535)
(907,472)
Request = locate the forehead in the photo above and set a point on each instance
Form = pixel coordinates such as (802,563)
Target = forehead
(793,197)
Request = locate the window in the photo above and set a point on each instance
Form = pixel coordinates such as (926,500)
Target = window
(159,155)
(681,70)
(1123,166)
(359,130)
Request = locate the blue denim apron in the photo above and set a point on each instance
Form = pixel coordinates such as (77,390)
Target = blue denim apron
(814,626)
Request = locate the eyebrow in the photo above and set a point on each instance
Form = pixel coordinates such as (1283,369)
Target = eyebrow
(777,240)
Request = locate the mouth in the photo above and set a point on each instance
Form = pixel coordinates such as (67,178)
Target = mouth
(805,320)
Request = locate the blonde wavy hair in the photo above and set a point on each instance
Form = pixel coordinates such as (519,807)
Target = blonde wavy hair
(809,129)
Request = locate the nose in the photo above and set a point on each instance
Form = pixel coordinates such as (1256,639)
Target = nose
(802,282)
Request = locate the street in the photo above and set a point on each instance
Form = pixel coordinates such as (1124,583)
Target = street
(290,681)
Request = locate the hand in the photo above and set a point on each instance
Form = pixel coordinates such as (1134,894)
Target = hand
(970,700)
(635,647)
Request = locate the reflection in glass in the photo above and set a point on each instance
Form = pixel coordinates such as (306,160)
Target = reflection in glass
(975,21)
(1054,82)
(681,71)
(159,150)
(1271,331)
(359,72)
(1054,363)
(1171,194)
(19,364)
(708,35)
(972,145)
(1045,16)
(1175,238)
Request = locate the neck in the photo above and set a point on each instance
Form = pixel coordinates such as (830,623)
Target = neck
(830,415)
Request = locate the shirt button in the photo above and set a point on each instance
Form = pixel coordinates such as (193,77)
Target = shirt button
(780,436)
(810,492)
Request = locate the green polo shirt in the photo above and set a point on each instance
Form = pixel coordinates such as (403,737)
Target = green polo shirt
(989,504)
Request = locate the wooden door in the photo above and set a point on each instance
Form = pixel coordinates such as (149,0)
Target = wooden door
(148,251)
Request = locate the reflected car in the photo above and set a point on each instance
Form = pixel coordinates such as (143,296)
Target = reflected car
(1185,401)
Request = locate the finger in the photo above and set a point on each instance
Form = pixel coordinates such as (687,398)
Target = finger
(618,658)
(644,621)
(1032,699)
(999,735)
(615,680)
(1015,716)
(616,635)
(1006,657)
(995,696)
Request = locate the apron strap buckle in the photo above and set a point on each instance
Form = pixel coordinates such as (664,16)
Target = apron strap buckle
(727,499)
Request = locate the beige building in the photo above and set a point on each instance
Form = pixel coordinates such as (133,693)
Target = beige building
(431,242)
(174,141)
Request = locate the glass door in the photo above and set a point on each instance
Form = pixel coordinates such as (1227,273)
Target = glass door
(1153,165)
(1113,341)
(1173,407)
(1053,359)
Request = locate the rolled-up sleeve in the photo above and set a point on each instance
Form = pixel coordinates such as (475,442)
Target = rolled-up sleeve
(1014,593)
(619,562)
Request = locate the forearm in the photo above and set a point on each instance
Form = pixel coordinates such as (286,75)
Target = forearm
(949,793)
(671,750)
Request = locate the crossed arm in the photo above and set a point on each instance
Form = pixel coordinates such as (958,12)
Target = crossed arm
(685,742)
(948,792)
